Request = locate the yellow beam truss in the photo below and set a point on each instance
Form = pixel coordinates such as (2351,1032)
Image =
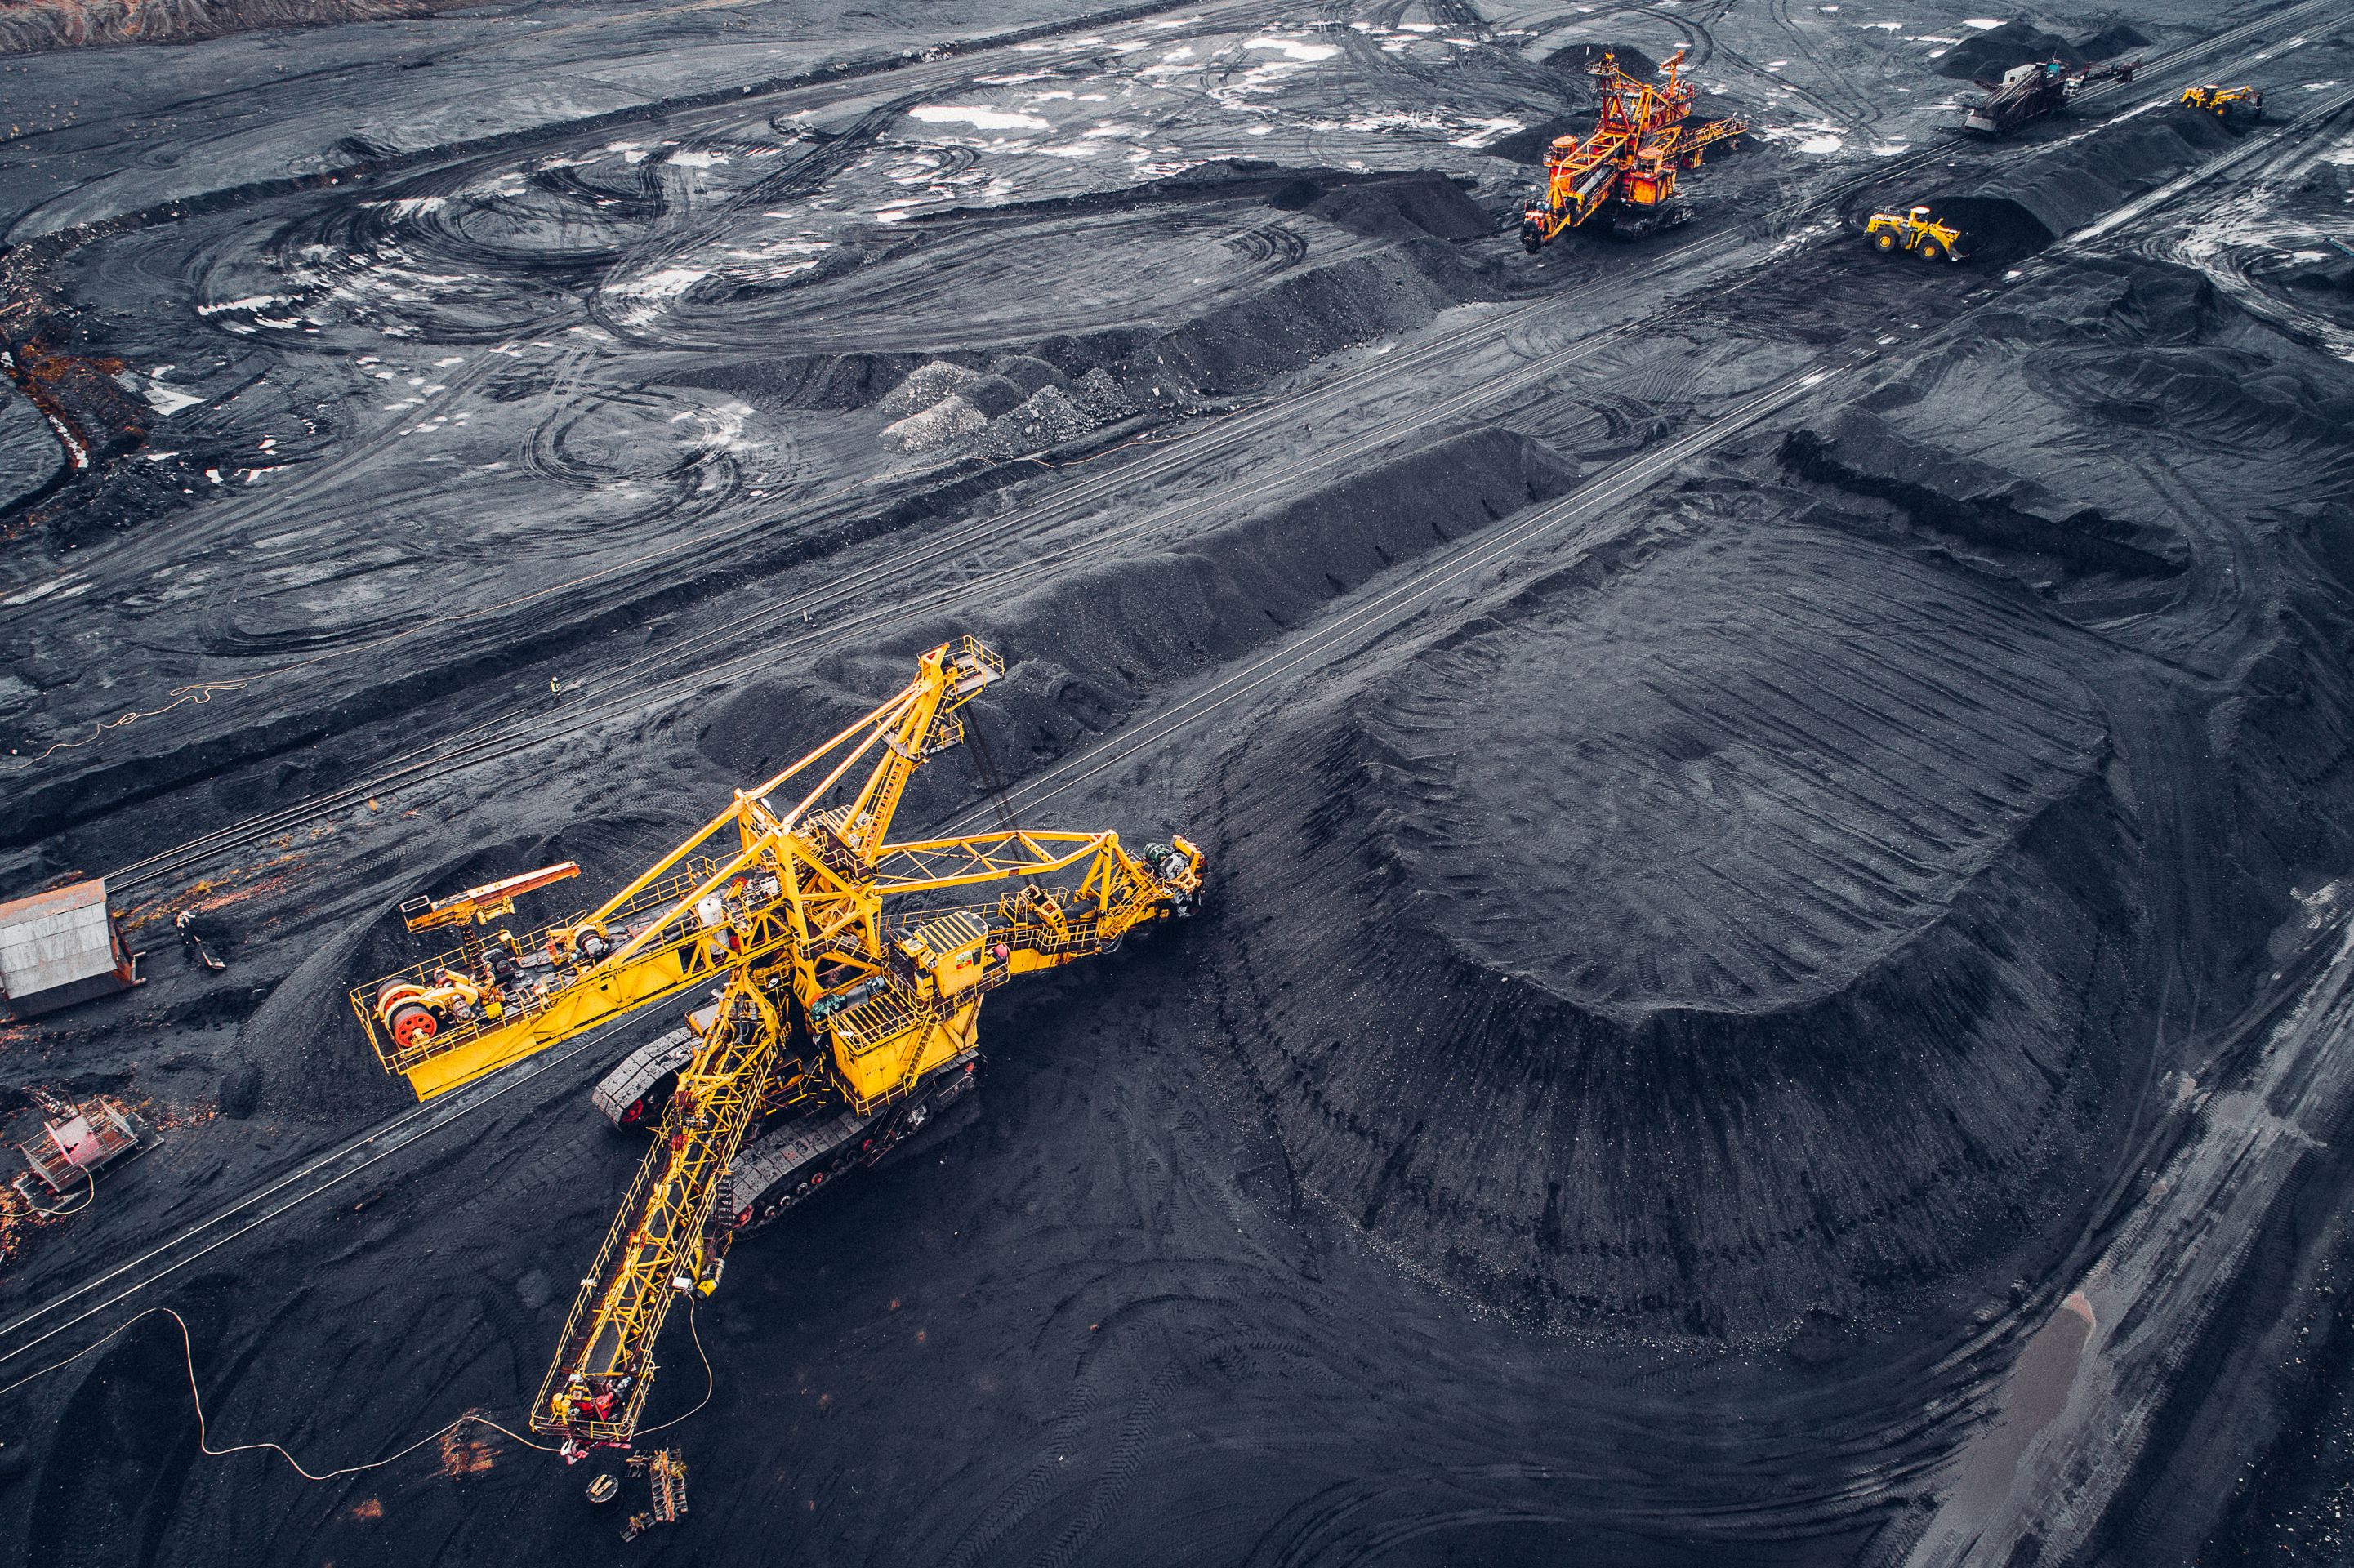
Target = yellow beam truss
(662,1244)
(659,945)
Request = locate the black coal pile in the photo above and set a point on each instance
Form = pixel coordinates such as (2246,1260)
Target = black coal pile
(1762,800)
(1595,1037)
(1985,55)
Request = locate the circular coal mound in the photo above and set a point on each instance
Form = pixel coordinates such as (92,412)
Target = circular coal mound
(1748,942)
(1747,800)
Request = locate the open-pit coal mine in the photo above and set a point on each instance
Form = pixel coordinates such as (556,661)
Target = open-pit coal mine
(1657,754)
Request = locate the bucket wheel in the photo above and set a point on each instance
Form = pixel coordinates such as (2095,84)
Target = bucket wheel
(1532,235)
(411,1023)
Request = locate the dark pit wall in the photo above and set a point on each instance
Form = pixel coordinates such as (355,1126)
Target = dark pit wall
(64,24)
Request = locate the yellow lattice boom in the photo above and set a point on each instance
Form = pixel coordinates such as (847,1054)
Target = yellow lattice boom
(850,972)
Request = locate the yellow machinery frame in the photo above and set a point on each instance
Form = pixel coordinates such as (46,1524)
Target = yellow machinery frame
(792,918)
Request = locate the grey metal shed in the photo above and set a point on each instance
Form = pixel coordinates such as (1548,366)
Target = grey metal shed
(60,947)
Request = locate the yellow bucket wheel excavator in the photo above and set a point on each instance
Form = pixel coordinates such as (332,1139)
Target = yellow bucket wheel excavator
(846,972)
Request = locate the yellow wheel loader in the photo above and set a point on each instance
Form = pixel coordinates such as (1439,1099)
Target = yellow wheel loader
(2220,101)
(1918,231)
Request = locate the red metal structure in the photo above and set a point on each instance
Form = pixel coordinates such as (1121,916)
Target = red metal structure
(1643,138)
(75,1141)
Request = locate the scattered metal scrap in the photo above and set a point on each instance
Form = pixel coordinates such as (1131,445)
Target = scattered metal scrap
(665,1473)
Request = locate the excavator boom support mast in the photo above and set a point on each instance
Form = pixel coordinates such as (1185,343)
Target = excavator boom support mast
(662,1244)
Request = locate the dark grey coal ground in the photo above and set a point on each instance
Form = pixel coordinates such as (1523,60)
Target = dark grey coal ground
(1774,984)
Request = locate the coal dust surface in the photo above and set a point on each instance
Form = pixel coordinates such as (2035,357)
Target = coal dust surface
(1777,968)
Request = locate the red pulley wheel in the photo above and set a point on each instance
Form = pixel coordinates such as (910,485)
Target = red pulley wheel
(411,1023)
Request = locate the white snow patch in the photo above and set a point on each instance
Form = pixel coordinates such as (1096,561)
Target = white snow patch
(1983,23)
(55,586)
(250,303)
(666,285)
(1484,132)
(1306,53)
(409,206)
(167,400)
(695,159)
(1820,137)
(977,116)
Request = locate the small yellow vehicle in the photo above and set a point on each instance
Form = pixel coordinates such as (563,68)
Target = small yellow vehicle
(2220,101)
(1917,231)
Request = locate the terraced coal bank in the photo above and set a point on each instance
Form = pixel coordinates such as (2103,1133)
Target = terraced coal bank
(1774,981)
